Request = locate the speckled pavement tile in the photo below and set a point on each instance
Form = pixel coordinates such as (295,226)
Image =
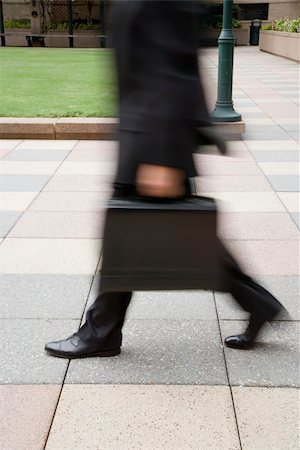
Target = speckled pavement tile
(43,296)
(16,201)
(246,202)
(7,221)
(63,225)
(26,414)
(23,359)
(291,200)
(70,201)
(44,144)
(87,168)
(94,154)
(23,182)
(147,417)
(159,352)
(185,305)
(37,155)
(53,256)
(178,305)
(255,226)
(235,184)
(9,144)
(285,289)
(3,153)
(79,183)
(95,145)
(279,168)
(272,362)
(296,218)
(207,166)
(267,257)
(276,155)
(28,167)
(272,144)
(287,183)
(268,418)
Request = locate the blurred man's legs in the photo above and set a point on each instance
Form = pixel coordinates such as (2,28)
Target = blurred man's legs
(101,334)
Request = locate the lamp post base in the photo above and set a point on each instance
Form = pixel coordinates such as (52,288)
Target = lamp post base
(225,113)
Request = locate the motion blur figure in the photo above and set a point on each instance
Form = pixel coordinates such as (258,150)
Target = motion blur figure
(162,106)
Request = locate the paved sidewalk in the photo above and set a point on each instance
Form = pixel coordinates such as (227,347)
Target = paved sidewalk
(174,386)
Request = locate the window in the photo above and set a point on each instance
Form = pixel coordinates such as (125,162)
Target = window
(251,11)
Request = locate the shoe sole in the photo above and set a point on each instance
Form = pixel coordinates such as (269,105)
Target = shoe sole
(106,354)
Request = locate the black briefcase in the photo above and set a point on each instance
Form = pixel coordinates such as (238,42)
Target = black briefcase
(159,245)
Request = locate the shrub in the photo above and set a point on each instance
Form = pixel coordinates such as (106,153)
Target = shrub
(288,25)
(267,27)
(20,23)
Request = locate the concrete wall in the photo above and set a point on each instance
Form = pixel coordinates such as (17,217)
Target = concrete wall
(280,43)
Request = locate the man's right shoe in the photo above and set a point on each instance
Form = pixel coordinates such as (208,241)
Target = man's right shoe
(74,347)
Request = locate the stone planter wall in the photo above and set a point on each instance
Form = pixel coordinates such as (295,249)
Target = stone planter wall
(280,43)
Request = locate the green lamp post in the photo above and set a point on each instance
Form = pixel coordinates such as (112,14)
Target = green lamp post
(2,25)
(224,111)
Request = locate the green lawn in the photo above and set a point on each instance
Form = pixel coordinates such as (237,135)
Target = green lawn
(44,82)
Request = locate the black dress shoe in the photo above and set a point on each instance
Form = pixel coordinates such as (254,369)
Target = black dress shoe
(247,339)
(73,347)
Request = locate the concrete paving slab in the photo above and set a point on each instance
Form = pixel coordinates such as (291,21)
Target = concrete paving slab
(267,257)
(37,155)
(287,183)
(289,127)
(43,296)
(28,167)
(291,200)
(177,305)
(235,184)
(26,414)
(285,289)
(3,153)
(79,183)
(288,144)
(87,168)
(268,418)
(255,135)
(147,417)
(62,225)
(280,168)
(7,221)
(295,135)
(95,145)
(254,226)
(51,256)
(296,218)
(226,167)
(9,144)
(276,155)
(44,144)
(70,201)
(274,360)
(183,305)
(16,201)
(23,359)
(246,201)
(159,352)
(96,154)
(21,183)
